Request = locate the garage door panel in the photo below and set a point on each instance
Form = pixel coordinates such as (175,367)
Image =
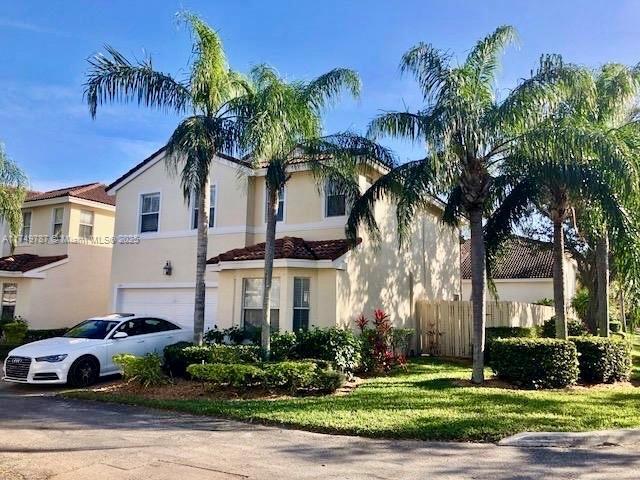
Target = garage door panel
(175,304)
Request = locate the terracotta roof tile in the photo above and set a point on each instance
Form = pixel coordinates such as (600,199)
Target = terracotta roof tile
(25,262)
(289,247)
(95,192)
(521,258)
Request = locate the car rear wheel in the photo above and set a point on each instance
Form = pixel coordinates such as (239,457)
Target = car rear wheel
(84,372)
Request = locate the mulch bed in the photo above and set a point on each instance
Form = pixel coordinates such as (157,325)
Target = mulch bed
(181,389)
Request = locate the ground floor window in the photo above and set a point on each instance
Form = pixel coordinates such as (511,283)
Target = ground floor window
(9,294)
(301,303)
(252,289)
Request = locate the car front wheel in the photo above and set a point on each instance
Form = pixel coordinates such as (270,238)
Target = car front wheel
(83,372)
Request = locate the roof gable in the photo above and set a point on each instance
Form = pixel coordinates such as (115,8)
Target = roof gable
(95,192)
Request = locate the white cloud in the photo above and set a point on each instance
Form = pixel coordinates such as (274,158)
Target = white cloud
(30,27)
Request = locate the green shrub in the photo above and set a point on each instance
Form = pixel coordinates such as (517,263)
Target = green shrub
(400,338)
(603,360)
(146,370)
(580,303)
(5,348)
(535,362)
(575,328)
(283,345)
(237,375)
(292,376)
(179,356)
(492,333)
(328,380)
(337,345)
(35,335)
(15,332)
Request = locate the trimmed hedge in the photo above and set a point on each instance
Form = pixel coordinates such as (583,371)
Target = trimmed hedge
(178,356)
(603,360)
(292,376)
(338,345)
(5,348)
(35,335)
(14,332)
(492,333)
(575,328)
(535,362)
(145,370)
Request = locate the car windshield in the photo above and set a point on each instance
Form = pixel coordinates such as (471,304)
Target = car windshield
(93,329)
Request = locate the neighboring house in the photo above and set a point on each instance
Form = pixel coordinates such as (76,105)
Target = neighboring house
(524,271)
(59,271)
(319,278)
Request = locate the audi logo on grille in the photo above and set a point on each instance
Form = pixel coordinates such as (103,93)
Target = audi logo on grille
(15,360)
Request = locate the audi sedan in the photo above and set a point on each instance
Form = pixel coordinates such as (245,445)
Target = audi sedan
(85,353)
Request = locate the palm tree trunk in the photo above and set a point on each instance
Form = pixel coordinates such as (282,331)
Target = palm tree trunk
(559,300)
(602,267)
(478,293)
(269,250)
(201,264)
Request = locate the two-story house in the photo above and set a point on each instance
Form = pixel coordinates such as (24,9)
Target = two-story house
(59,271)
(319,278)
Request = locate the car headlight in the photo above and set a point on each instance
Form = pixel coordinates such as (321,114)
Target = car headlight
(52,358)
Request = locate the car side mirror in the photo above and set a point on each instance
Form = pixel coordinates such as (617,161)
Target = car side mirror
(119,335)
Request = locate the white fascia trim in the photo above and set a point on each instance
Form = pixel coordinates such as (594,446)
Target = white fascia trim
(159,156)
(277,263)
(163,285)
(515,280)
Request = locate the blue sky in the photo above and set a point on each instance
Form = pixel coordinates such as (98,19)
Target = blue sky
(47,129)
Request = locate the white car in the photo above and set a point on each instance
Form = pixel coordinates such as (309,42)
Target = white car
(86,351)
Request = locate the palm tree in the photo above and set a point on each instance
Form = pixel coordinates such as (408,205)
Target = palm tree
(12,192)
(208,129)
(284,126)
(584,156)
(467,131)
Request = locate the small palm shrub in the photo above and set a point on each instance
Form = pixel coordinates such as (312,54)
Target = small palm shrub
(145,371)
(535,362)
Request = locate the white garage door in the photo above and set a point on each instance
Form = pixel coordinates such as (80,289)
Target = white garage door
(175,304)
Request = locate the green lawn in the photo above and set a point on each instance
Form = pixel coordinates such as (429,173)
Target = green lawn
(425,403)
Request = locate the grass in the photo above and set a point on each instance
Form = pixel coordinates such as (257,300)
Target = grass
(425,402)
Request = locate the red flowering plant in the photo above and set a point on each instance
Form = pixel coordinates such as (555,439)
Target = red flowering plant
(378,352)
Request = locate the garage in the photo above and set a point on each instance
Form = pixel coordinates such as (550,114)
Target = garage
(175,304)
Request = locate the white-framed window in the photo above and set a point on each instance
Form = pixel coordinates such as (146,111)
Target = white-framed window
(56,227)
(213,198)
(281,200)
(301,303)
(149,212)
(86,224)
(252,304)
(9,296)
(335,201)
(25,232)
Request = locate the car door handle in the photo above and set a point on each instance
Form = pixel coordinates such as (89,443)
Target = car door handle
(140,341)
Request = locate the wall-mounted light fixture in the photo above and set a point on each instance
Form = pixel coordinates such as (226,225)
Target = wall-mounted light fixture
(167,269)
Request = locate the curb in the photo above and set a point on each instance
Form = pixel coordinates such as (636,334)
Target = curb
(601,438)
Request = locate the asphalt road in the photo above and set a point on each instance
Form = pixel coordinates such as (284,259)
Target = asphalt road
(44,437)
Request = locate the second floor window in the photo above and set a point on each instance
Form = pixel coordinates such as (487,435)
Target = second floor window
(280,214)
(149,212)
(86,224)
(56,230)
(26,227)
(335,201)
(212,209)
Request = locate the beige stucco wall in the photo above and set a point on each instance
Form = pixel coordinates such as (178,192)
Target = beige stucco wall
(78,288)
(322,311)
(529,290)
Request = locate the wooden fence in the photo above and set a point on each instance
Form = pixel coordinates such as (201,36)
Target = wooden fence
(445,328)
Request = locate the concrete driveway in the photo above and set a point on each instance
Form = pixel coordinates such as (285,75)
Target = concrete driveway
(43,437)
